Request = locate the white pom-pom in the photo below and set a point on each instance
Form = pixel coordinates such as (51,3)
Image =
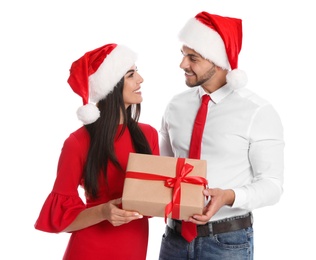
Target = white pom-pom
(236,79)
(88,113)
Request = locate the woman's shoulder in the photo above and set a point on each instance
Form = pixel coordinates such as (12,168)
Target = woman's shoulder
(81,132)
(147,127)
(151,134)
(148,130)
(79,137)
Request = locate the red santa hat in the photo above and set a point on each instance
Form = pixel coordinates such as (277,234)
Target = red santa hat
(219,40)
(96,73)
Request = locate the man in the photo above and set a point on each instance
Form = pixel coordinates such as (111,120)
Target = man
(242,143)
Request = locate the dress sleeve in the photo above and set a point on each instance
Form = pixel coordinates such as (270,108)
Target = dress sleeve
(64,204)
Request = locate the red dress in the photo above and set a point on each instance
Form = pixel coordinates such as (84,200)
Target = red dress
(63,204)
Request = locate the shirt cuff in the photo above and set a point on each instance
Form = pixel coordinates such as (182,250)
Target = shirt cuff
(240,198)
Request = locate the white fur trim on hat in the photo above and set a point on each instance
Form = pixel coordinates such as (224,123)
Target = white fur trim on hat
(88,113)
(205,41)
(109,73)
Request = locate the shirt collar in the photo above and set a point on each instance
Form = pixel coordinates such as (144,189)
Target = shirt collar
(217,95)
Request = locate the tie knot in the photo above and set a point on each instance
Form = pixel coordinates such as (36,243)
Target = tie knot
(205,99)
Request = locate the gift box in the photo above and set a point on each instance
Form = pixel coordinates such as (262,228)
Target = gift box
(164,186)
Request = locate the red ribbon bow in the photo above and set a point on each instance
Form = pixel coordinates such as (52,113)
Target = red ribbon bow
(182,170)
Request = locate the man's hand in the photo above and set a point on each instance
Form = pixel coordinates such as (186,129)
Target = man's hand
(218,199)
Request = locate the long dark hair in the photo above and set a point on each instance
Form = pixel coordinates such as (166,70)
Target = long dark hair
(102,135)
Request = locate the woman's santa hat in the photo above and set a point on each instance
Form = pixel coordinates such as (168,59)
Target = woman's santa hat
(96,73)
(219,40)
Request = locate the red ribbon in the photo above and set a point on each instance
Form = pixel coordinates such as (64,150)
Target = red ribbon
(182,170)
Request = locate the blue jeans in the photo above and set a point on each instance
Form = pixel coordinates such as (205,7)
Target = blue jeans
(235,245)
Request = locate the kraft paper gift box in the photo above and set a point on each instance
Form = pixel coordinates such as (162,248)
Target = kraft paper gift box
(164,186)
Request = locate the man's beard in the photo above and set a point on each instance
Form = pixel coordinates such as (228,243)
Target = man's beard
(205,77)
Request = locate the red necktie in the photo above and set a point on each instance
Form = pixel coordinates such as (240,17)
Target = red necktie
(189,229)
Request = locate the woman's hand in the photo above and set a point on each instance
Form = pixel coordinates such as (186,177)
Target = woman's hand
(117,216)
(108,211)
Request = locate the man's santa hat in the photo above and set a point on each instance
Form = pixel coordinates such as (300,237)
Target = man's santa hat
(96,73)
(219,40)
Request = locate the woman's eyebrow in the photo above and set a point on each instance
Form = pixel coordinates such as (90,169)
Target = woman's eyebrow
(132,70)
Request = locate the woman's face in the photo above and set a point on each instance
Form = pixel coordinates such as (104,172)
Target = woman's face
(131,89)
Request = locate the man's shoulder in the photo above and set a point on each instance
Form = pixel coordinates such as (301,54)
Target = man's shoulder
(250,96)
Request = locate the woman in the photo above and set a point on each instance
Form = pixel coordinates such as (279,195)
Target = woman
(95,157)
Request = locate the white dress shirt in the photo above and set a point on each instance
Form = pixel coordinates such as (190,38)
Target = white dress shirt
(242,143)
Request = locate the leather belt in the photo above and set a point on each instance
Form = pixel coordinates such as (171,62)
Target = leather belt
(216,227)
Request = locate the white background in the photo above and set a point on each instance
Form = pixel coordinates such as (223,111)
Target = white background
(40,40)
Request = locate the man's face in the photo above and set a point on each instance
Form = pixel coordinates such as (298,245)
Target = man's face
(198,71)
